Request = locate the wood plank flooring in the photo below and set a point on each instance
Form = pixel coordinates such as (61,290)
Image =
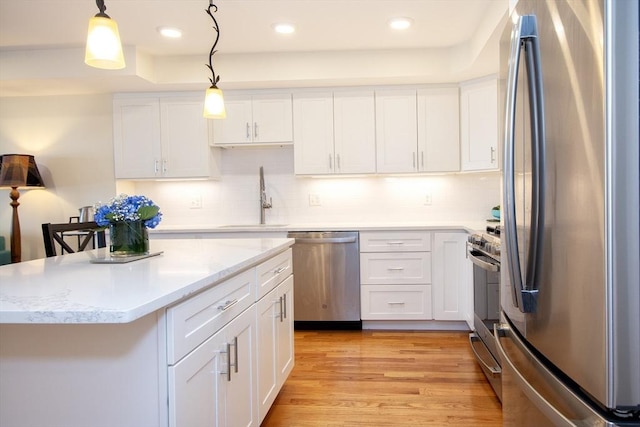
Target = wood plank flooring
(384,378)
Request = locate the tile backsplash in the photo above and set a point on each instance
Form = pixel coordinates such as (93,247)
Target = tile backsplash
(235,198)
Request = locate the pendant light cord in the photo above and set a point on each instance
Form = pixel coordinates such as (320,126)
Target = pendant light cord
(214,79)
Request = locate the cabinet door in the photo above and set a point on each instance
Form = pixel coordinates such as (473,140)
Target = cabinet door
(242,403)
(185,149)
(237,127)
(136,138)
(272,118)
(313,130)
(355,139)
(438,130)
(275,348)
(479,125)
(267,351)
(197,386)
(452,281)
(396,131)
(285,352)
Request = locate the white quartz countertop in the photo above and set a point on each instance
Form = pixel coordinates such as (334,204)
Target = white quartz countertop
(469,226)
(71,289)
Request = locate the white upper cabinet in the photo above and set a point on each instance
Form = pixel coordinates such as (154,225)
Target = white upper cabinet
(396,131)
(354,131)
(417,131)
(313,133)
(136,138)
(255,119)
(334,132)
(161,137)
(438,130)
(479,125)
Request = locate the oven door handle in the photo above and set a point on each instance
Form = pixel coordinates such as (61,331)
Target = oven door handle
(489,266)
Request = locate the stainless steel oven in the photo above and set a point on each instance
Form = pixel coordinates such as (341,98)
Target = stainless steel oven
(483,249)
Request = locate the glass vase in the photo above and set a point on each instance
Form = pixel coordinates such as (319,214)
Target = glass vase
(128,238)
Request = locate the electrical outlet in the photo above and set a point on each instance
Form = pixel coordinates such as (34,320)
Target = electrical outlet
(427,199)
(314,200)
(195,202)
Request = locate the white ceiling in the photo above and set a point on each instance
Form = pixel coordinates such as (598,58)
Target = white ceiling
(246,25)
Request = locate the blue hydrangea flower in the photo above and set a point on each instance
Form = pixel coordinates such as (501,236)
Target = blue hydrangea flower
(128,208)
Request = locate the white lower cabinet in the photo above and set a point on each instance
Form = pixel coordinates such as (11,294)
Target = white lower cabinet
(230,348)
(395,275)
(275,343)
(452,278)
(213,385)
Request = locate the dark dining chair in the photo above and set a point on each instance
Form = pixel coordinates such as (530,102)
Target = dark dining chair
(88,234)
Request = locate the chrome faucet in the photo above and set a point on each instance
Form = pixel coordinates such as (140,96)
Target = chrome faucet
(263,197)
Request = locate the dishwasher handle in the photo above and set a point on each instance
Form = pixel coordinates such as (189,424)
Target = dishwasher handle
(321,240)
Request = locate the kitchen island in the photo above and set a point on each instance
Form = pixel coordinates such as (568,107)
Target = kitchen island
(84,344)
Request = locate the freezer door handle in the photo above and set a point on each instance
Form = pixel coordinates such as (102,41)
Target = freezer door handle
(558,419)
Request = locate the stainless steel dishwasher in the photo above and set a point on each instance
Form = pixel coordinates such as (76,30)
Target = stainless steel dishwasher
(326,266)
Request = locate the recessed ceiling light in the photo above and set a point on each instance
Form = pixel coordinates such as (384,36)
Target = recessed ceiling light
(284,28)
(400,23)
(170,32)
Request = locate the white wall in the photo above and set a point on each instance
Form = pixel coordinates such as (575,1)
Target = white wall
(71,139)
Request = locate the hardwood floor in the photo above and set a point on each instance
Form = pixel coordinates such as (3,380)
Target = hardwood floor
(384,378)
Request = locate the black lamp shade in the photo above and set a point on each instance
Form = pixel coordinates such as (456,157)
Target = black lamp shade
(19,170)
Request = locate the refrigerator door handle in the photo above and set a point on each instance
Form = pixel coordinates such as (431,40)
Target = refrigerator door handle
(511,240)
(536,108)
(525,288)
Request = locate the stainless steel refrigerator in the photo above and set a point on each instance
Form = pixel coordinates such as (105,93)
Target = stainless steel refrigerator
(570,283)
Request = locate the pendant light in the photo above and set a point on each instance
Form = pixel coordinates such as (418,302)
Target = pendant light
(213,100)
(104,49)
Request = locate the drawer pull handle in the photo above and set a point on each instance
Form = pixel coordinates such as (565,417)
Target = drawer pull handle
(279,270)
(227,305)
(395,243)
(396,303)
(395,268)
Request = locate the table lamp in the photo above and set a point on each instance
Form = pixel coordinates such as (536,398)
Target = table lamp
(18,170)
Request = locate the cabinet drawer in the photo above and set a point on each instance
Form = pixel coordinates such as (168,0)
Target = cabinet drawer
(409,268)
(396,302)
(395,241)
(196,319)
(273,271)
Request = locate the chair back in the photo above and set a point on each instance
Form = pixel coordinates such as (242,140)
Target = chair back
(85,233)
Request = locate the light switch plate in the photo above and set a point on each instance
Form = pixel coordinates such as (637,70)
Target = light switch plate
(314,200)
(195,202)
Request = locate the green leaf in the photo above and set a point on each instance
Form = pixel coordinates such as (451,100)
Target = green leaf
(148,212)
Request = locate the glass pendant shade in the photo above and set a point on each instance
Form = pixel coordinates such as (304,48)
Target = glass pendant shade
(104,49)
(214,104)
